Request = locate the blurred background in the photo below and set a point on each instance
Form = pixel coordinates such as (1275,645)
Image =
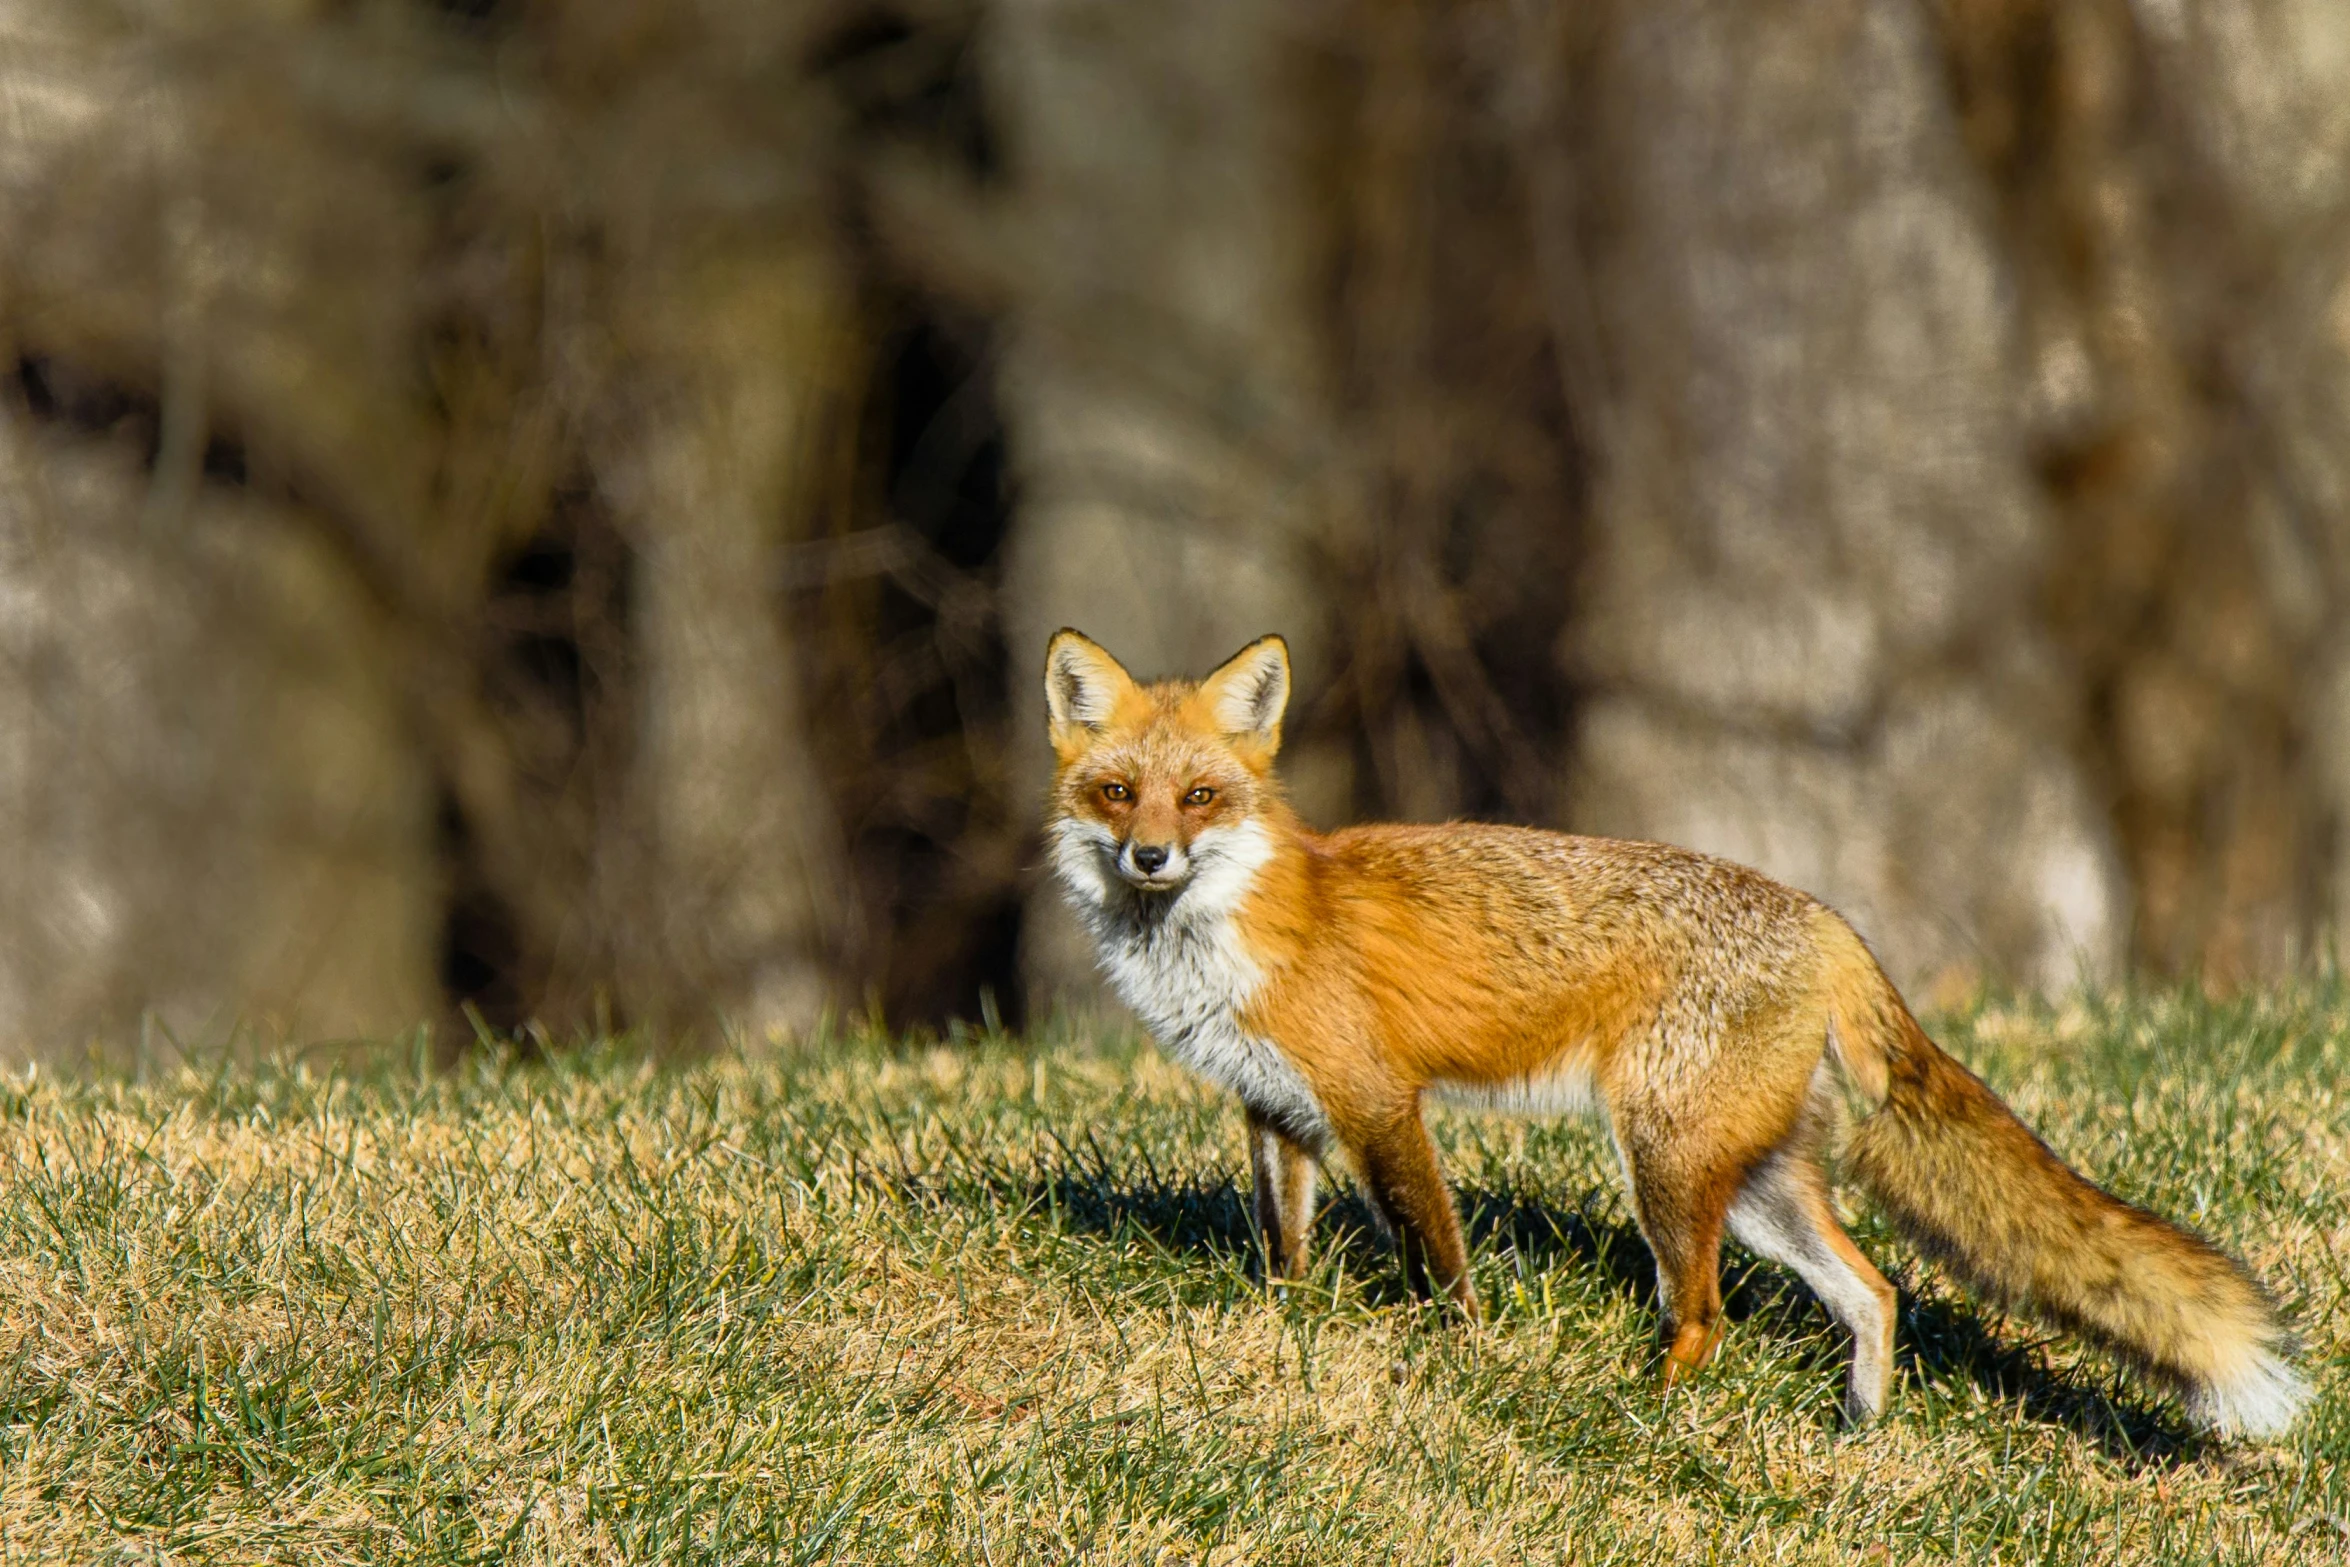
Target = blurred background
(553,507)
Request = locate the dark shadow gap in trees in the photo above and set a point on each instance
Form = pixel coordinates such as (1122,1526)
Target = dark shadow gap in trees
(934,837)
(474,18)
(912,76)
(1468,533)
(54,391)
(900,604)
(480,939)
(551,653)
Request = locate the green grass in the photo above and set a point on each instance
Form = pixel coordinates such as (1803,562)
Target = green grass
(984,1302)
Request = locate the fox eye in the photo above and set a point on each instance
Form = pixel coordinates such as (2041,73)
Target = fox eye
(1199,796)
(1117,793)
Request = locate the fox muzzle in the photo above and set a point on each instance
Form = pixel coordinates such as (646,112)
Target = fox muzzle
(1153,867)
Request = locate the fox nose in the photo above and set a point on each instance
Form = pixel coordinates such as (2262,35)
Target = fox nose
(1149,859)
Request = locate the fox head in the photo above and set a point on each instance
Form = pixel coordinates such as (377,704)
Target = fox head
(1160,792)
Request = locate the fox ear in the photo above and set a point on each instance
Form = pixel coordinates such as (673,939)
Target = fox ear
(1082,683)
(1249,691)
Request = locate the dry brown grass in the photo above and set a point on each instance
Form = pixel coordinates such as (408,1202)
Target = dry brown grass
(993,1302)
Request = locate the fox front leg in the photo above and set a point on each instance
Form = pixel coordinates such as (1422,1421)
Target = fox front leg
(1398,1164)
(1282,1171)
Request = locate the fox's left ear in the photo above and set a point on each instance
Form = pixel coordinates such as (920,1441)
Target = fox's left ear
(1249,692)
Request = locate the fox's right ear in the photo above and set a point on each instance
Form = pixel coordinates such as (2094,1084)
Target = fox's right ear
(1083,686)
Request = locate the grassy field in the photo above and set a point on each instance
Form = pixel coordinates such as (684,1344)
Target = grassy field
(995,1302)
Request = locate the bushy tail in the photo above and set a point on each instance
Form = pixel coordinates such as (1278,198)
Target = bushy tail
(1970,1185)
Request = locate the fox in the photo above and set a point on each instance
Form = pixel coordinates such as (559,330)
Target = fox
(1727,1029)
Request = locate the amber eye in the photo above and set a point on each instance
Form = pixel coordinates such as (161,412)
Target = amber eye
(1116,793)
(1199,796)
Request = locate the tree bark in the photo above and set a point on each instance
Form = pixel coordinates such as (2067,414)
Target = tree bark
(1807,633)
(212,814)
(747,364)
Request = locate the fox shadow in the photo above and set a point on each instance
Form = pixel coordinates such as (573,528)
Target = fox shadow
(1940,1342)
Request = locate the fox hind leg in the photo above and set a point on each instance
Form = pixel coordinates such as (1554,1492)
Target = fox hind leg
(1782,1213)
(1681,1209)
(1282,1173)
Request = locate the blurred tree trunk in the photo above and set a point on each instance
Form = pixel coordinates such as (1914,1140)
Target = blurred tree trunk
(210,808)
(2260,95)
(2174,186)
(1164,380)
(1807,624)
(321,278)
(216,807)
(746,352)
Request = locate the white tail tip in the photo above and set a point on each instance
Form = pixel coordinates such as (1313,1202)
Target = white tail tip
(2259,1398)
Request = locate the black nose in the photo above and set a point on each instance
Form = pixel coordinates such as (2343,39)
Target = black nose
(1148,860)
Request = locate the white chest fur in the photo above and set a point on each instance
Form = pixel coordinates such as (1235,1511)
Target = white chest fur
(1188,976)
(1188,983)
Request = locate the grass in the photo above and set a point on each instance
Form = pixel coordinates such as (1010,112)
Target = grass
(992,1302)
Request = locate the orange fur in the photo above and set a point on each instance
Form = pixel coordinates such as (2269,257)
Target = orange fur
(1336,979)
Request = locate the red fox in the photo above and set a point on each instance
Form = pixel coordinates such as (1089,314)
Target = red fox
(1715,1018)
